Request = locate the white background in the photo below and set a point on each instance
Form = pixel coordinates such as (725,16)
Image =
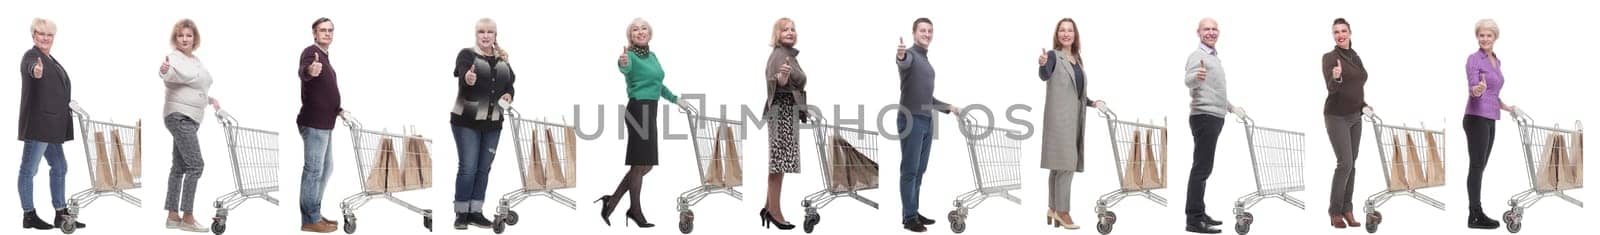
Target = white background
(393,58)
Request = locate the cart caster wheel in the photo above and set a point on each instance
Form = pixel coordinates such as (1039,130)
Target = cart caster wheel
(1513,221)
(1373,219)
(427,222)
(218,226)
(811,222)
(1103,227)
(499,226)
(958,225)
(686,222)
(511,219)
(1243,225)
(69,219)
(1109,217)
(349,224)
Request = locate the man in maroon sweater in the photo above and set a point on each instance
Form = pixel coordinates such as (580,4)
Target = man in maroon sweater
(319,105)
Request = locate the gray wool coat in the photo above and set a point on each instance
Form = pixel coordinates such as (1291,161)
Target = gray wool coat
(1064,115)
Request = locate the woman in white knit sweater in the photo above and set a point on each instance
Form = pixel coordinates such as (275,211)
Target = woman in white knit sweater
(187,83)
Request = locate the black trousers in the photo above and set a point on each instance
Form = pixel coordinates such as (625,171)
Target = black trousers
(1205,129)
(1480,140)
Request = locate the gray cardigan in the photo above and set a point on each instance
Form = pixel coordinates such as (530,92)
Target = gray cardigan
(1064,115)
(1209,97)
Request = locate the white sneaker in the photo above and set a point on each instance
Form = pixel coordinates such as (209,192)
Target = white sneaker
(190,227)
(172,224)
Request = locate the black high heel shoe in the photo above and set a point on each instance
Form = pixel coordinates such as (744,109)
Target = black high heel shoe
(767,221)
(638,219)
(606,208)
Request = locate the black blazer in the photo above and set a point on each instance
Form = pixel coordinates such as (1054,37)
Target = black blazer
(44,116)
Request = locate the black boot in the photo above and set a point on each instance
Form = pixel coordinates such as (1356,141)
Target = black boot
(31,220)
(477,219)
(1481,221)
(462,220)
(61,215)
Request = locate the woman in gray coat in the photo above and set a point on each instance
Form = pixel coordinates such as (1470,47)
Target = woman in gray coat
(1065,100)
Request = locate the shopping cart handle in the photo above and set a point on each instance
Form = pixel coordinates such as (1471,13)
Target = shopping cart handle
(509,111)
(77,109)
(688,109)
(224,118)
(350,120)
(1105,112)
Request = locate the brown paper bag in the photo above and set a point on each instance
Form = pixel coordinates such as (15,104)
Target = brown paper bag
(138,150)
(733,169)
(572,157)
(119,163)
(1397,172)
(1131,170)
(1164,157)
(535,178)
(552,163)
(1435,163)
(1575,158)
(839,175)
(1414,174)
(417,173)
(714,166)
(102,168)
(377,178)
(1567,177)
(1548,172)
(863,171)
(1152,167)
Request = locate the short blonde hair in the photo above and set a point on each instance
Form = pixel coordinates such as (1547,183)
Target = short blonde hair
(1487,25)
(628,34)
(42,25)
(178,29)
(777,32)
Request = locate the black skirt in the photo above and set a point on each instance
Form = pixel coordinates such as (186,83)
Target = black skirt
(641,139)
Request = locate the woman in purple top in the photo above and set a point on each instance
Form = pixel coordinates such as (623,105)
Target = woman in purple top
(1484,81)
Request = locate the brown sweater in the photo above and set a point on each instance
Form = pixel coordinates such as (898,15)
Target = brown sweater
(1346,95)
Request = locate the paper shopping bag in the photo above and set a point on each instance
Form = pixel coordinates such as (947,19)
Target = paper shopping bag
(1566,179)
(119,163)
(417,173)
(552,162)
(535,178)
(838,173)
(1164,157)
(1397,172)
(1414,174)
(1435,162)
(103,179)
(1549,170)
(863,171)
(378,176)
(1152,167)
(138,151)
(572,157)
(713,174)
(733,171)
(1575,160)
(1131,170)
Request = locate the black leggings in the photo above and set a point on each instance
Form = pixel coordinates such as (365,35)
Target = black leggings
(1480,140)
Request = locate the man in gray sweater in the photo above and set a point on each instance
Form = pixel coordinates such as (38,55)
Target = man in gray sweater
(1208,89)
(915,123)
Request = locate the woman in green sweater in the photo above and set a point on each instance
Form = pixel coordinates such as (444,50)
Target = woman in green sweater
(643,75)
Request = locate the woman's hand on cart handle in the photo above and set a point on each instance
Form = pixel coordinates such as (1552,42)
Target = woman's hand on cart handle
(1367,109)
(686,107)
(214,104)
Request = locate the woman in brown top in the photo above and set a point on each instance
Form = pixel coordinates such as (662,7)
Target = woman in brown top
(1345,77)
(786,104)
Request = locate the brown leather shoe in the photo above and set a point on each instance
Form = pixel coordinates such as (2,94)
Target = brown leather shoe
(335,224)
(1351,219)
(318,227)
(1337,220)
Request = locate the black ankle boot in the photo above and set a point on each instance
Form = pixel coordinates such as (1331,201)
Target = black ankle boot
(61,215)
(462,220)
(30,220)
(1481,221)
(477,219)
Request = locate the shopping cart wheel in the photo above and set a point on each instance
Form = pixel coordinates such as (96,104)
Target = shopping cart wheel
(499,225)
(686,222)
(1373,219)
(69,219)
(811,221)
(1513,221)
(1243,225)
(427,222)
(1103,227)
(218,225)
(349,224)
(958,222)
(511,219)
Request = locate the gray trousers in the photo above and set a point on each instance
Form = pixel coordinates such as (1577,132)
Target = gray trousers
(186,163)
(1061,190)
(1344,132)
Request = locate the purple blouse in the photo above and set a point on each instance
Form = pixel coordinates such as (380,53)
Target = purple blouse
(1479,68)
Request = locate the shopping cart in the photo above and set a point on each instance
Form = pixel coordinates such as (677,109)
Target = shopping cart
(1278,159)
(704,133)
(1533,143)
(1385,136)
(122,139)
(254,155)
(1124,136)
(367,149)
(996,168)
(864,141)
(527,146)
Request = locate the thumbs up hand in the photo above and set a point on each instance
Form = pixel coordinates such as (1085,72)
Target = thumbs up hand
(1338,71)
(315,69)
(1201,74)
(900,54)
(38,68)
(1478,89)
(1044,56)
(166,65)
(472,75)
(622,59)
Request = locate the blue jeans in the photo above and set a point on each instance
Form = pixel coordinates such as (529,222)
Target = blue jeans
(314,175)
(475,149)
(31,152)
(914,147)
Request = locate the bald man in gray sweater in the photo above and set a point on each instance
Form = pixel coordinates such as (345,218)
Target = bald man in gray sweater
(1208,89)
